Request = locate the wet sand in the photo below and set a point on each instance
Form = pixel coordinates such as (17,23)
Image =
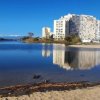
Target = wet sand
(57,91)
(90,93)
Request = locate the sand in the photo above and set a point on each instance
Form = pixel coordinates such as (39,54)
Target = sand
(91,93)
(85,46)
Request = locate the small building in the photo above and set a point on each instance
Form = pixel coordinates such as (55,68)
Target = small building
(46,32)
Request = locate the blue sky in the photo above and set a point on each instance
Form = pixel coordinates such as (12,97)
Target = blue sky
(23,16)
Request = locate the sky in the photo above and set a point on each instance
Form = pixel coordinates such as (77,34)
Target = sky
(23,16)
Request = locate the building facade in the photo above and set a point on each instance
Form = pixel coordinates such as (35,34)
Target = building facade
(98,30)
(84,26)
(46,32)
(61,27)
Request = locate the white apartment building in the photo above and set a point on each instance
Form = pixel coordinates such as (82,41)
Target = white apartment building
(46,32)
(61,27)
(84,26)
(98,30)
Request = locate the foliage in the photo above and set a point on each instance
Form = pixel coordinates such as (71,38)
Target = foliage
(36,39)
(24,38)
(68,39)
(73,39)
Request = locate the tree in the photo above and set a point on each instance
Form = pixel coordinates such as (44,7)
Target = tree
(68,39)
(36,39)
(31,34)
(73,39)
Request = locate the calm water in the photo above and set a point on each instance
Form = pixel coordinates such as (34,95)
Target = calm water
(19,62)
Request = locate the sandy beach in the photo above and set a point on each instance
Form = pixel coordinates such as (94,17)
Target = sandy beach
(85,46)
(90,93)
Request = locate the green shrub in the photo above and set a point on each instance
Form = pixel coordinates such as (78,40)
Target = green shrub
(36,39)
(73,39)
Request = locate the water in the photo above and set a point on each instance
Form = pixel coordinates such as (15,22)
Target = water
(19,62)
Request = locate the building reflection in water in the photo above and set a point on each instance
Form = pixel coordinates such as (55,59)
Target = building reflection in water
(45,50)
(75,59)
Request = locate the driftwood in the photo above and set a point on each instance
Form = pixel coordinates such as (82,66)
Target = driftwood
(41,87)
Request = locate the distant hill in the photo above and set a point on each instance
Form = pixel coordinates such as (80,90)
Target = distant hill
(1,39)
(10,38)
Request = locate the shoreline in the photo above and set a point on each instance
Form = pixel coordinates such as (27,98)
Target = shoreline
(58,91)
(88,45)
(76,45)
(20,90)
(90,93)
(85,46)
